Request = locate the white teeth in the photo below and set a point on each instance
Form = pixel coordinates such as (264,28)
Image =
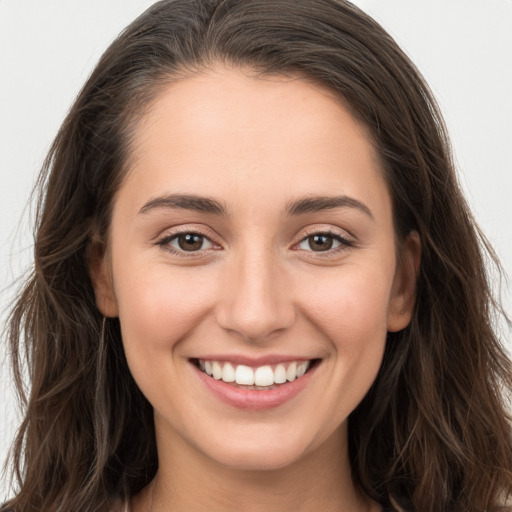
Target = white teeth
(301,369)
(280,374)
(263,377)
(216,370)
(244,375)
(228,373)
(291,373)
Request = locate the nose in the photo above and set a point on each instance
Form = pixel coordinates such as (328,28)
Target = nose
(256,301)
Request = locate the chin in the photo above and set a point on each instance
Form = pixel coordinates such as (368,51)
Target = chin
(259,459)
(259,453)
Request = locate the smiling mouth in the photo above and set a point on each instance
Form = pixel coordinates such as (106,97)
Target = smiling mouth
(261,378)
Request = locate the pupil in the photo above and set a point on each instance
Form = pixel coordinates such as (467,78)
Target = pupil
(320,242)
(190,242)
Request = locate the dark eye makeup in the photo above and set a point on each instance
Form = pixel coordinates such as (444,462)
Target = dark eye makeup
(329,241)
(194,242)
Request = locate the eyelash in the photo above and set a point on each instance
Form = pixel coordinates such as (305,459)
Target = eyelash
(345,242)
(164,242)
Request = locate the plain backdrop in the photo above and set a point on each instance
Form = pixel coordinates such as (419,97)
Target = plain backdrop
(49,47)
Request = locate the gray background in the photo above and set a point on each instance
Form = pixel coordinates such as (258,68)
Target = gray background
(49,47)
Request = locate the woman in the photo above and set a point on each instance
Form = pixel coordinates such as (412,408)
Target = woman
(257,285)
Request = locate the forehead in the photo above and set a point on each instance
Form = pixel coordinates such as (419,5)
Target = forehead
(223,130)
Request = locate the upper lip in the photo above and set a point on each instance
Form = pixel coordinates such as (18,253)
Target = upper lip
(253,361)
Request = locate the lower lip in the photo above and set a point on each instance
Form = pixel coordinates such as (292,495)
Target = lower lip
(253,399)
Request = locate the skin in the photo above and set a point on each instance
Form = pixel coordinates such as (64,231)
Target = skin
(255,287)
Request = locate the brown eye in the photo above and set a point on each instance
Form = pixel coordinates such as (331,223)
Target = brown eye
(323,242)
(190,242)
(320,242)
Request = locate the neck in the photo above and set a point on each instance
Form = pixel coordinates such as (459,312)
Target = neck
(189,481)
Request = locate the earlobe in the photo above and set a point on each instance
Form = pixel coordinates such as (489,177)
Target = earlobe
(403,294)
(102,280)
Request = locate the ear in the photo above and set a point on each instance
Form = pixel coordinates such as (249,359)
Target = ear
(101,278)
(403,292)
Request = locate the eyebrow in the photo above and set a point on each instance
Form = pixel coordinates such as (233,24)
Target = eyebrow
(202,204)
(185,202)
(312,204)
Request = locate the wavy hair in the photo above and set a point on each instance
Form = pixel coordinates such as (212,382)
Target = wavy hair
(433,433)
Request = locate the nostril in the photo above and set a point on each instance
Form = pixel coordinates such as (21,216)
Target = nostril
(253,311)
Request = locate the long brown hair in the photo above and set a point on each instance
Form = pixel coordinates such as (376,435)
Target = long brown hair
(432,434)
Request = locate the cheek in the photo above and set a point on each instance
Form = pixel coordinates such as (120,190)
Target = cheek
(348,312)
(160,305)
(350,316)
(350,306)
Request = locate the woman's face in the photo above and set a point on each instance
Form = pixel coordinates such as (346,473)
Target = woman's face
(253,237)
